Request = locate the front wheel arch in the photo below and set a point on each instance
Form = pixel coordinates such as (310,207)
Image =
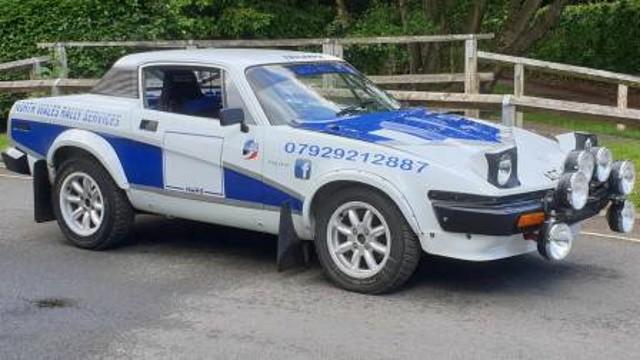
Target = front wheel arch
(366,180)
(400,246)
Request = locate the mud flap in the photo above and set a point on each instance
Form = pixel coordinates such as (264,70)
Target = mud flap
(292,252)
(42,199)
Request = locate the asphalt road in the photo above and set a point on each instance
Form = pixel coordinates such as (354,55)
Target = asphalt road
(185,290)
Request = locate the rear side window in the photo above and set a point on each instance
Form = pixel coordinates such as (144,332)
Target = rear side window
(120,82)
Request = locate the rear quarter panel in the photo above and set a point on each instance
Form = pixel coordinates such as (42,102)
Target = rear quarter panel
(40,126)
(90,112)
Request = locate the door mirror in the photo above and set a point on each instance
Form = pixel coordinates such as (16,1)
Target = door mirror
(233,116)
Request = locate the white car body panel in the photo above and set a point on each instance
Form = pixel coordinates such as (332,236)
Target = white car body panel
(202,161)
(193,160)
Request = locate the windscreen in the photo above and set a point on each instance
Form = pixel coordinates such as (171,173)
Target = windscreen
(315,92)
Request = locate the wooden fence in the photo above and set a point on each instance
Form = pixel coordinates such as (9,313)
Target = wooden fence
(332,46)
(34,64)
(520,100)
(471,99)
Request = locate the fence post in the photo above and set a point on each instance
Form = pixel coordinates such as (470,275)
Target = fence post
(623,96)
(471,80)
(333,47)
(36,70)
(518,90)
(60,56)
(191,45)
(508,111)
(55,88)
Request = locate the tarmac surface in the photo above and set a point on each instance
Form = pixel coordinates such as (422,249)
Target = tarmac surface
(184,290)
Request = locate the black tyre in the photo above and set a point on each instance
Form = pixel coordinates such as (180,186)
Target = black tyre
(92,212)
(364,242)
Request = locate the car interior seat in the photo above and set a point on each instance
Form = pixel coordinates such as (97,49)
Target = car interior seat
(178,89)
(182,94)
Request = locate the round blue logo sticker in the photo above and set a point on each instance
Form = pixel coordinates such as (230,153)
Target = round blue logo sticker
(250,150)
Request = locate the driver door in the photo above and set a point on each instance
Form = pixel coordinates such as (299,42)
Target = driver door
(181,112)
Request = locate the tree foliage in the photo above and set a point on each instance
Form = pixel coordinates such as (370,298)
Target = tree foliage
(600,35)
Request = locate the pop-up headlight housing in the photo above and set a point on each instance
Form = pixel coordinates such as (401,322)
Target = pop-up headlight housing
(503,168)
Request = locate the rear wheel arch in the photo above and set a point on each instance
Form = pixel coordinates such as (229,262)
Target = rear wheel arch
(66,153)
(80,143)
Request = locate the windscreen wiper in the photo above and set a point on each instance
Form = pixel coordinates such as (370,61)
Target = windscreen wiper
(355,108)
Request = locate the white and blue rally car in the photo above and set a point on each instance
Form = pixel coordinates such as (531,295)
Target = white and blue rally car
(304,146)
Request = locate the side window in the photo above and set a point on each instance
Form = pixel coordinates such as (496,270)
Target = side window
(184,90)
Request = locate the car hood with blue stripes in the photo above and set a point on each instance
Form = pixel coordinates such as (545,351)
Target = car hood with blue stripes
(409,128)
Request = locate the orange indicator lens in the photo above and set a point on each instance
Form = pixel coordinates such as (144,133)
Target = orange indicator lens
(531,219)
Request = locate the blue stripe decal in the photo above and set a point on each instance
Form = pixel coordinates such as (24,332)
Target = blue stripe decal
(35,136)
(241,187)
(418,122)
(142,163)
(313,69)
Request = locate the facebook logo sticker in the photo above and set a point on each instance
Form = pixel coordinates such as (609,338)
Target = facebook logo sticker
(302,169)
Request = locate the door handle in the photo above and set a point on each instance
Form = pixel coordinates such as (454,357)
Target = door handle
(149,125)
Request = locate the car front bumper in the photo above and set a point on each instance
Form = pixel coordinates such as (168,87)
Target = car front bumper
(498,216)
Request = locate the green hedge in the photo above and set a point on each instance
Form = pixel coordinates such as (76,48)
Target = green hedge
(24,23)
(600,35)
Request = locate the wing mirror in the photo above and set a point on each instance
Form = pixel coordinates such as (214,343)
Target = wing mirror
(233,116)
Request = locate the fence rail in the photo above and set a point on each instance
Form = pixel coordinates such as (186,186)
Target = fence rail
(426,78)
(29,85)
(558,68)
(19,86)
(620,111)
(158,44)
(603,111)
(25,63)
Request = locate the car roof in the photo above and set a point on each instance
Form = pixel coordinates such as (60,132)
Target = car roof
(242,58)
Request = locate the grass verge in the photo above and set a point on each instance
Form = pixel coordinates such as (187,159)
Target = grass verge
(3,141)
(587,125)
